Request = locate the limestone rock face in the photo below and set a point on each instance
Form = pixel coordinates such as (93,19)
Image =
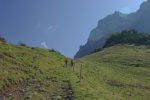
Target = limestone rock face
(116,22)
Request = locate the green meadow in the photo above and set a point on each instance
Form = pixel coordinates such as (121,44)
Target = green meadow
(120,72)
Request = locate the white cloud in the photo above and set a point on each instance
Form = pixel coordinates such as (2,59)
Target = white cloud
(52,27)
(44,44)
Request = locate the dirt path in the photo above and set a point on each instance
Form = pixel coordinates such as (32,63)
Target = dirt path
(67,90)
(16,92)
(11,92)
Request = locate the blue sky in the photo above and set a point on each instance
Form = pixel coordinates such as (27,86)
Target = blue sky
(60,24)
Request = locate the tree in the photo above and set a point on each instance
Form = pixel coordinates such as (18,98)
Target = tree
(128,37)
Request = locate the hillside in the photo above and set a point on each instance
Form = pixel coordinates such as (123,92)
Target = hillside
(117,72)
(116,22)
(28,73)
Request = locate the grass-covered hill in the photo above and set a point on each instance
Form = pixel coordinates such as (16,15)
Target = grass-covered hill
(119,72)
(32,73)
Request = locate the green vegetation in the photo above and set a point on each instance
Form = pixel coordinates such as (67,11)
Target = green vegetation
(22,44)
(36,73)
(128,36)
(2,39)
(119,72)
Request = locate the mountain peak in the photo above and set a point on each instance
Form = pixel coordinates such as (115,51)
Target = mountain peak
(117,22)
(144,6)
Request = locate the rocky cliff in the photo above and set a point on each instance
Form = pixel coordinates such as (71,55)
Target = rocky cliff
(118,21)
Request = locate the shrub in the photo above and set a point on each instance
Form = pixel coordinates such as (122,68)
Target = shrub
(22,44)
(33,48)
(52,50)
(2,39)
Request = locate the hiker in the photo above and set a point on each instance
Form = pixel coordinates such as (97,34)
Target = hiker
(66,62)
(72,63)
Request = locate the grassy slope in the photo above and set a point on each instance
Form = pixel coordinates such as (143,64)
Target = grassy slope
(116,73)
(39,71)
(119,72)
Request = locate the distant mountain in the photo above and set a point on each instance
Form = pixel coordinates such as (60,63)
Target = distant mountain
(116,22)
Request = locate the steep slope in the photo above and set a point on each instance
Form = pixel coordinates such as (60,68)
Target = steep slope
(119,72)
(115,23)
(32,74)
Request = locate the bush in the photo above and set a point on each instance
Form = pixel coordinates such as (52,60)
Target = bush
(22,44)
(33,48)
(52,50)
(2,39)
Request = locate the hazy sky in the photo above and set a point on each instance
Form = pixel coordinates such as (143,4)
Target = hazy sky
(60,24)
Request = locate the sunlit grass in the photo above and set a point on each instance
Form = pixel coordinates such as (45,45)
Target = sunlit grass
(119,72)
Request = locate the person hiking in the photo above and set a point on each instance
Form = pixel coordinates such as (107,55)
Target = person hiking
(72,63)
(66,62)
